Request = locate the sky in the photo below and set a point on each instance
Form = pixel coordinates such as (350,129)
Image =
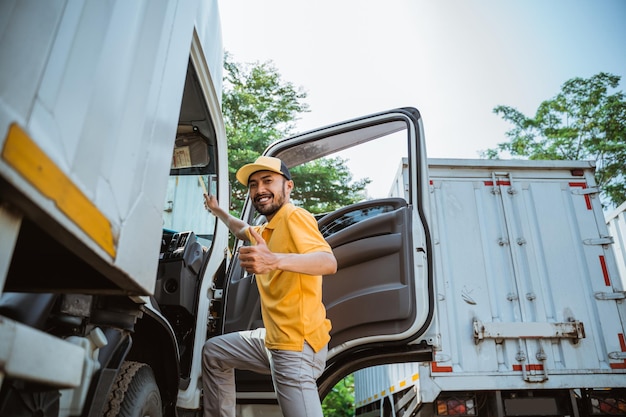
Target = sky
(454,60)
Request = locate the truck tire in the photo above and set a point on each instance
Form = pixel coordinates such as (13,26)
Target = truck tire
(135,393)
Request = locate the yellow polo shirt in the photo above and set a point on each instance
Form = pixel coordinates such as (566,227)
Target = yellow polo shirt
(291,303)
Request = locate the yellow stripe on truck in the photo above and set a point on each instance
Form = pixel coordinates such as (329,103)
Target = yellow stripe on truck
(34,165)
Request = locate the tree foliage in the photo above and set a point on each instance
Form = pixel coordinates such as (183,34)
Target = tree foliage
(324,185)
(259,108)
(583,122)
(340,400)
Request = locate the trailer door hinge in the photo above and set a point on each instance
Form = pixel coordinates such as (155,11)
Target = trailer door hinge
(619,295)
(605,240)
(585,191)
(617,355)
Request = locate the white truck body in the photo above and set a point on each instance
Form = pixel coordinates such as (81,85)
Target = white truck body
(528,290)
(125,60)
(616,222)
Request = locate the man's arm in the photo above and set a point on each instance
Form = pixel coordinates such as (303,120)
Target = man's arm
(236,226)
(314,263)
(259,259)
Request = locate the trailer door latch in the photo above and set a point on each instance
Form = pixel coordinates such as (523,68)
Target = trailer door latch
(534,330)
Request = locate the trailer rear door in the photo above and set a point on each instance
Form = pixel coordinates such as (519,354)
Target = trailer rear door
(527,285)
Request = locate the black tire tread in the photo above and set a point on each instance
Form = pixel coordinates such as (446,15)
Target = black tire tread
(129,384)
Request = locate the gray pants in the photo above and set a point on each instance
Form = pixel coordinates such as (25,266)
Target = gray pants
(294,373)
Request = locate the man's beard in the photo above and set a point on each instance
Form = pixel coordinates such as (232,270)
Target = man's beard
(277,202)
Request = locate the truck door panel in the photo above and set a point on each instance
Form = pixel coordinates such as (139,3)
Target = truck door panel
(371,243)
(371,292)
(243,306)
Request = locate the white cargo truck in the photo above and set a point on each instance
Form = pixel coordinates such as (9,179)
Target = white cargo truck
(529,303)
(112,275)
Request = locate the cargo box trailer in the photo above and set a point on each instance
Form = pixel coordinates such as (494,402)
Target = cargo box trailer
(530,310)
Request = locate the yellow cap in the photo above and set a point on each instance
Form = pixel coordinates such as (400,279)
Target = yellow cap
(263,163)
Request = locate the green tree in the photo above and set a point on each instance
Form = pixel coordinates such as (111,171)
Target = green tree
(340,400)
(583,122)
(260,108)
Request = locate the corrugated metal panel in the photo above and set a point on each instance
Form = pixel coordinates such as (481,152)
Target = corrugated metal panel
(522,247)
(88,93)
(528,292)
(374,383)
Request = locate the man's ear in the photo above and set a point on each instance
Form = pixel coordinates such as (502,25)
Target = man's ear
(289,184)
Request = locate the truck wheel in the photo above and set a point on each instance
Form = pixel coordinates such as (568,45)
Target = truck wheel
(134,393)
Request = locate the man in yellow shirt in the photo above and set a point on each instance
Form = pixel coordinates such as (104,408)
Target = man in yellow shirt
(289,256)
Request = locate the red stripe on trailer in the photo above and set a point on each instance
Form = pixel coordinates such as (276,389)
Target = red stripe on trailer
(436,368)
(583,185)
(503,182)
(529,367)
(605,271)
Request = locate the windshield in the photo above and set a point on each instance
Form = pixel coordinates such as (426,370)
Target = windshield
(192,174)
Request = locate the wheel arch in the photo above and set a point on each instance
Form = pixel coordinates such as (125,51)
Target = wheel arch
(154,343)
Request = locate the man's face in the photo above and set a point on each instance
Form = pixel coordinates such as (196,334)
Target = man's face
(268,191)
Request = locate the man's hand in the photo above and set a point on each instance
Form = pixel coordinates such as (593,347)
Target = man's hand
(210,202)
(257,259)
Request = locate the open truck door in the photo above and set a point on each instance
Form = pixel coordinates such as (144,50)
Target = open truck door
(380,300)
